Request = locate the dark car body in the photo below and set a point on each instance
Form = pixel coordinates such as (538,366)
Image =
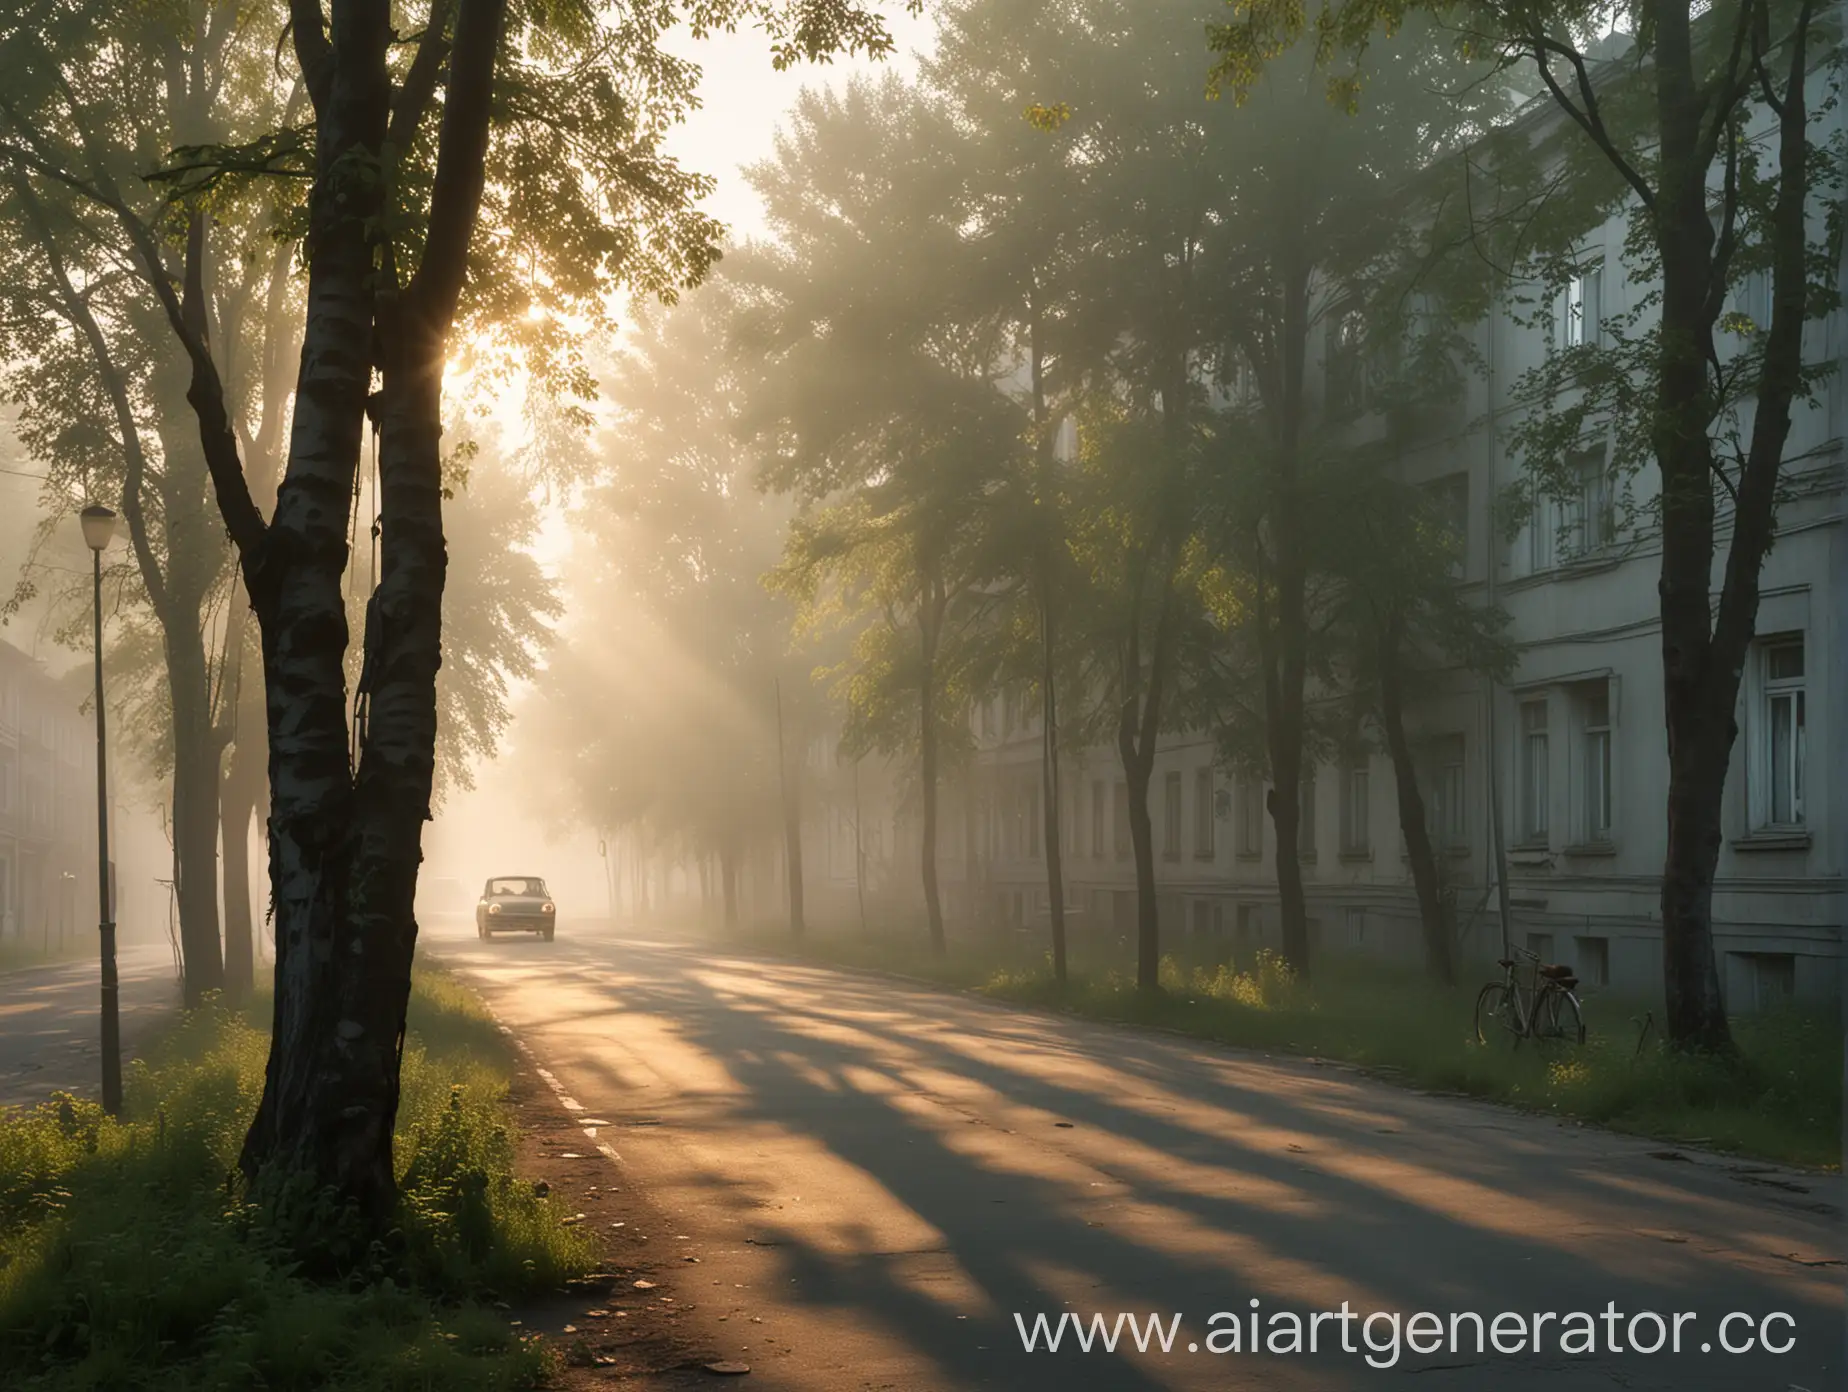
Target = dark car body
(515,904)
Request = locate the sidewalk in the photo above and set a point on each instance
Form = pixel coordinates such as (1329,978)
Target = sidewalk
(49,1031)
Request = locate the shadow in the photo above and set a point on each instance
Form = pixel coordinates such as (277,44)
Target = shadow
(1016,1162)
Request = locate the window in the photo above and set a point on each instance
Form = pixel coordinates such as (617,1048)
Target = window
(1250,817)
(1203,813)
(1171,816)
(1345,364)
(1542,532)
(1591,517)
(1449,503)
(1097,819)
(1446,812)
(1750,299)
(1356,927)
(1354,798)
(1305,820)
(1533,771)
(1121,819)
(1760,981)
(1202,918)
(1594,704)
(1240,382)
(1541,945)
(1781,739)
(1246,922)
(1594,960)
(1580,310)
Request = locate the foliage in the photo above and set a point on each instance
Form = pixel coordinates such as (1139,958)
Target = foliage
(132,1264)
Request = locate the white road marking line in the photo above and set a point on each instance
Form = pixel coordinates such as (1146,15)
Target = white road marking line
(570,1104)
(610,1151)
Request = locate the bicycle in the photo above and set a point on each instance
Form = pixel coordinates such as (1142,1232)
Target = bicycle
(1543,1008)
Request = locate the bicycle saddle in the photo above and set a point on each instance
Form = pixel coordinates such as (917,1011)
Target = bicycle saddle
(1557,973)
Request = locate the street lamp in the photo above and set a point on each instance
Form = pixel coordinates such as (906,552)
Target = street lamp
(98,527)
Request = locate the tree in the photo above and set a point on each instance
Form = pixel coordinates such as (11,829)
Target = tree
(681,741)
(898,563)
(1137,539)
(84,117)
(1669,128)
(566,112)
(993,66)
(1401,623)
(878,402)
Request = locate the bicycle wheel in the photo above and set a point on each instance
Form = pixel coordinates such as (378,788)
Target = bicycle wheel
(1496,1015)
(1557,1019)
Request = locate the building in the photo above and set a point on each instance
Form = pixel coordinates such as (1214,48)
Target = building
(47,807)
(1570,750)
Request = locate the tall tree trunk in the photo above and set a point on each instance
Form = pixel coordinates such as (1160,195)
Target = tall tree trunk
(338,1098)
(728,877)
(1136,771)
(1048,615)
(930,624)
(792,823)
(1049,777)
(1138,727)
(243,793)
(1434,921)
(321,1117)
(1282,622)
(195,814)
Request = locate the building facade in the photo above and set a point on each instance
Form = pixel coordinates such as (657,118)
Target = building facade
(1570,750)
(47,807)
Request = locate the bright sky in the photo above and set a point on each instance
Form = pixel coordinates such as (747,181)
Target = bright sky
(744,99)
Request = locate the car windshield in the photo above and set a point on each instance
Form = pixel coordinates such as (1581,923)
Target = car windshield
(517,887)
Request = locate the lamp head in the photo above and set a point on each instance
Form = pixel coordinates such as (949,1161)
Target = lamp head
(98,526)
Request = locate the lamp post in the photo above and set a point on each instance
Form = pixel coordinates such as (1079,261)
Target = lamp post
(98,527)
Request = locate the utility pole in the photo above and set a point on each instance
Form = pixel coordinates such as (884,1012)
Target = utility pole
(98,526)
(792,822)
(859,856)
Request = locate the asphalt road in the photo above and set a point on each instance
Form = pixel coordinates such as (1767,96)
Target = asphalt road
(50,1040)
(876,1179)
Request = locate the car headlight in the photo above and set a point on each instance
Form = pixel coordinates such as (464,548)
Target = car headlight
(547,908)
(493,908)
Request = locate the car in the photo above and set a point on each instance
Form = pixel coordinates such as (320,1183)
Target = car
(518,904)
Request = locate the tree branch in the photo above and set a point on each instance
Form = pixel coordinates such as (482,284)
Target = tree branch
(419,85)
(312,51)
(1590,119)
(455,194)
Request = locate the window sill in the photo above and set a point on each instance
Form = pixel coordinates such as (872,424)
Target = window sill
(1531,855)
(1204,857)
(1769,840)
(1358,856)
(1250,855)
(1306,857)
(1592,848)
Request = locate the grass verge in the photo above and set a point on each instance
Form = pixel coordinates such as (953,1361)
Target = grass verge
(127,1260)
(1780,1100)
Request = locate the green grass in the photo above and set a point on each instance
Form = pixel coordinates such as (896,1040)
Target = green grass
(1780,1100)
(128,1260)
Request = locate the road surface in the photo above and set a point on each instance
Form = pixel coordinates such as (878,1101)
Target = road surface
(49,1035)
(876,1179)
